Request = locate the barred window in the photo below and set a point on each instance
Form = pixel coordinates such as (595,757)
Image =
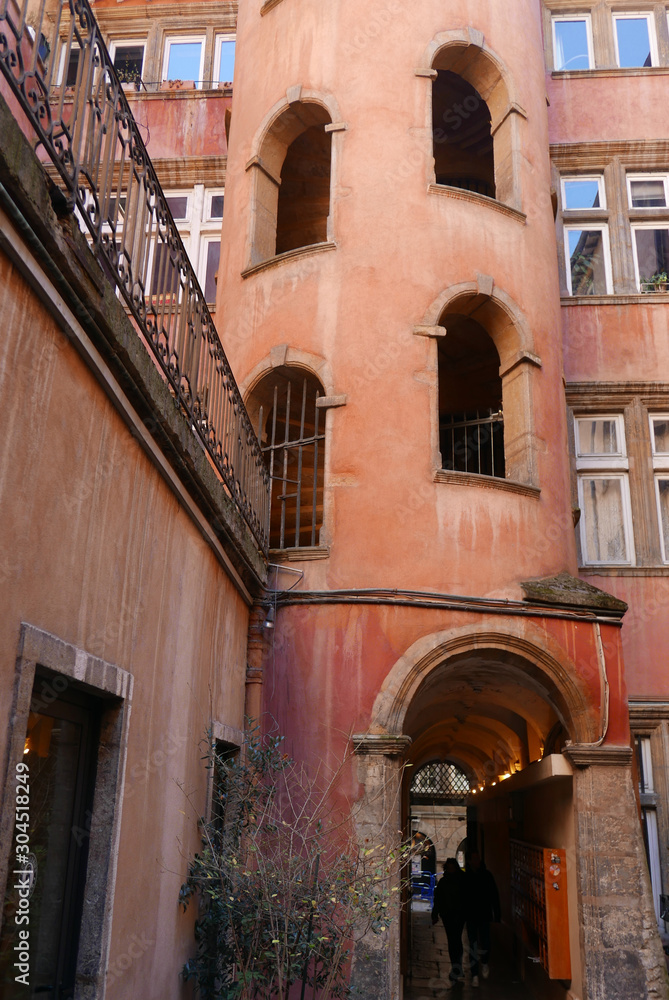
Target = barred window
(439,781)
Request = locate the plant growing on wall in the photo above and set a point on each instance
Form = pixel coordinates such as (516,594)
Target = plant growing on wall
(283,887)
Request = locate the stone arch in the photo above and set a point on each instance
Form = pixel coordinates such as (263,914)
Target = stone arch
(295,357)
(482,306)
(465,54)
(522,648)
(291,171)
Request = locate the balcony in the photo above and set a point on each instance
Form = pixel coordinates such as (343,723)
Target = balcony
(91,148)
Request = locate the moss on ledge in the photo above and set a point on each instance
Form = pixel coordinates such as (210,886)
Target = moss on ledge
(565,590)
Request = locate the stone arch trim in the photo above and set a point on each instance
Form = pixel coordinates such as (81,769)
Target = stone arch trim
(294,96)
(524,639)
(293,357)
(483,289)
(465,38)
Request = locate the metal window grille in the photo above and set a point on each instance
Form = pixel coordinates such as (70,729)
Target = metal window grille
(440,781)
(473,442)
(87,131)
(292,438)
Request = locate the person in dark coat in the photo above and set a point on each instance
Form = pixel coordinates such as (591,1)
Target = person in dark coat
(482,907)
(449,904)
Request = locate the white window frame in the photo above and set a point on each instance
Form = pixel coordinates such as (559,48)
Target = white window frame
(661,471)
(135,42)
(209,194)
(602,466)
(601,227)
(565,178)
(643,225)
(588,27)
(61,66)
(642,15)
(631,178)
(205,239)
(224,37)
(171,40)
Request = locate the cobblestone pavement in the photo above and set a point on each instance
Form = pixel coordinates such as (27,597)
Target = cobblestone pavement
(430,967)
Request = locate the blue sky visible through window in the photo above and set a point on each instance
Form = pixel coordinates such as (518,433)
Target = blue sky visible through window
(581,194)
(633,41)
(571,39)
(227,66)
(184,61)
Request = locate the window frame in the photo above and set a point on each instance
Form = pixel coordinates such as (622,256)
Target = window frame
(206,239)
(603,466)
(171,40)
(636,227)
(220,37)
(660,472)
(595,226)
(649,18)
(566,178)
(649,176)
(135,42)
(587,18)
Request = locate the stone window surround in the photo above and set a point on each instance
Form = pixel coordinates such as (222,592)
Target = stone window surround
(113,687)
(603,39)
(634,402)
(613,161)
(651,719)
(519,367)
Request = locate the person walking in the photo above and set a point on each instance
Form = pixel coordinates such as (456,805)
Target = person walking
(449,904)
(482,907)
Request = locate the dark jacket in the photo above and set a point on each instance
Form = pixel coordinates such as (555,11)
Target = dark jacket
(449,897)
(481,895)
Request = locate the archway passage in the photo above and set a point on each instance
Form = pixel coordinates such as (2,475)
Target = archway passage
(491,717)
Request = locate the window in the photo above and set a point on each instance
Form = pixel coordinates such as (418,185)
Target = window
(650,245)
(165,277)
(292,188)
(197,214)
(128,59)
(211,252)
(635,40)
(603,490)
(659,441)
(184,56)
(588,260)
(649,823)
(648,190)
(291,430)
(463,143)
(471,424)
(572,43)
(69,65)
(583,193)
(224,59)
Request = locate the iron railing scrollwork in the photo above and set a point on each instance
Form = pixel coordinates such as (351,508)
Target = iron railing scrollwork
(88,132)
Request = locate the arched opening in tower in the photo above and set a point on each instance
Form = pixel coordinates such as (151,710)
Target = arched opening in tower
(462,137)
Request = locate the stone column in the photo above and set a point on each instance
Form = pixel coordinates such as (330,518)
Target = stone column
(376,968)
(621,949)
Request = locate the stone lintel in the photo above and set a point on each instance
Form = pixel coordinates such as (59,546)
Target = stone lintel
(382,744)
(227,734)
(337,127)
(330,402)
(587,755)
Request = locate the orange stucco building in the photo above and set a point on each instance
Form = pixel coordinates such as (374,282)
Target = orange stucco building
(441,285)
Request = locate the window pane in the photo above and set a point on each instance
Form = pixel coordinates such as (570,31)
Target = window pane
(652,248)
(216,207)
(184,61)
(571,45)
(227,67)
(164,274)
(603,518)
(72,67)
(660,435)
(581,194)
(178,205)
(633,41)
(128,61)
(648,194)
(587,262)
(213,256)
(663,504)
(597,436)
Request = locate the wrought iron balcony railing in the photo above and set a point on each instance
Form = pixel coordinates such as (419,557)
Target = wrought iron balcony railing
(88,132)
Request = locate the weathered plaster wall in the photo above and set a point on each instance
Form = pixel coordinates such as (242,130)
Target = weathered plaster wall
(97,551)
